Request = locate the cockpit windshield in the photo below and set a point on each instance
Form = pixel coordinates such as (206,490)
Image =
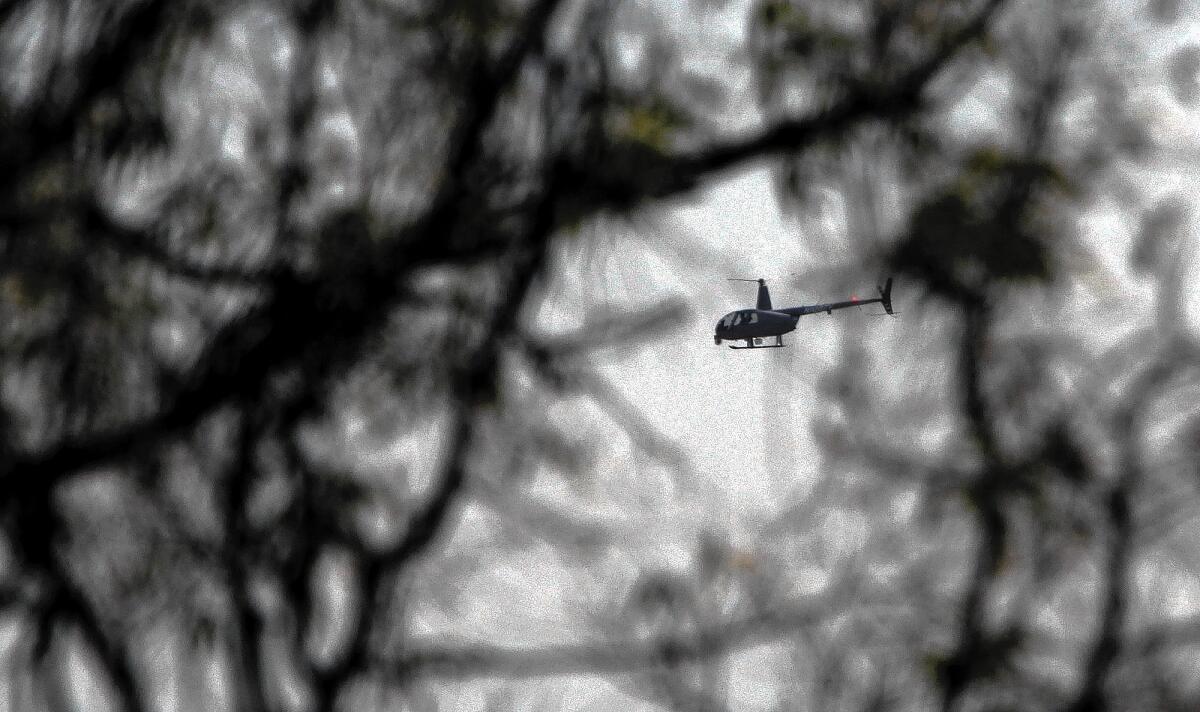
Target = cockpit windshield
(741,317)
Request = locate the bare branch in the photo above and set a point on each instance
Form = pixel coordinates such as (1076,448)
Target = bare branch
(1117,512)
(295,319)
(617,657)
(659,178)
(68,601)
(138,244)
(474,386)
(106,66)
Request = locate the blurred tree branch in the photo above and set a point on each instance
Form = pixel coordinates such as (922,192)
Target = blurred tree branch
(529,142)
(296,302)
(616,657)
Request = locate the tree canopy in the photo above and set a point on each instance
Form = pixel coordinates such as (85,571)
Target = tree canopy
(275,397)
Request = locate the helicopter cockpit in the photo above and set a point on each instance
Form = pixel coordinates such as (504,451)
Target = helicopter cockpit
(748,316)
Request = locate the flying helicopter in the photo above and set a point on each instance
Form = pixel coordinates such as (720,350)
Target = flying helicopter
(755,326)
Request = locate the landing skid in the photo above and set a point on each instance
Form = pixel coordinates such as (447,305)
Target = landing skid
(756,344)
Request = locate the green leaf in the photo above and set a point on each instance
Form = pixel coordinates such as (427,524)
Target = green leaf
(650,126)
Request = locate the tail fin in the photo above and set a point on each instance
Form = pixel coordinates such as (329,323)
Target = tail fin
(885,296)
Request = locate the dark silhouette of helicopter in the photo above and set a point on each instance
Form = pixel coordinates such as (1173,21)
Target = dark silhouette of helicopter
(755,325)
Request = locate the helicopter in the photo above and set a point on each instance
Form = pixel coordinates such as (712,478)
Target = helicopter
(756,326)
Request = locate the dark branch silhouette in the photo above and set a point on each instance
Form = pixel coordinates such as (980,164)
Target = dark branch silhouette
(617,657)
(288,370)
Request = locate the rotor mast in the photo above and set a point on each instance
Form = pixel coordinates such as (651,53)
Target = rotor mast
(764,295)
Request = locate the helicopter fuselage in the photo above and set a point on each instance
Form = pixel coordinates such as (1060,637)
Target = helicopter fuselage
(753,324)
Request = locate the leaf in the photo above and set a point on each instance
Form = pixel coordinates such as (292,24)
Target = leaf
(13,290)
(775,12)
(988,159)
(650,126)
(951,237)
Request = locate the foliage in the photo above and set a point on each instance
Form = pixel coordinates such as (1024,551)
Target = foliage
(278,398)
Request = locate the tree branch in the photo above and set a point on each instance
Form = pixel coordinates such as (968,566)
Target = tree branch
(663,177)
(67,600)
(137,244)
(241,357)
(235,555)
(1118,514)
(474,385)
(101,70)
(963,665)
(294,324)
(617,657)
